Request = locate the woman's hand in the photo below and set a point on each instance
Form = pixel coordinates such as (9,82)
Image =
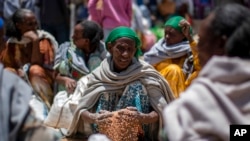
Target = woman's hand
(103,117)
(32,35)
(186,30)
(70,84)
(131,113)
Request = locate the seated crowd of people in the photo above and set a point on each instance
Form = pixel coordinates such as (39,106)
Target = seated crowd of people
(181,89)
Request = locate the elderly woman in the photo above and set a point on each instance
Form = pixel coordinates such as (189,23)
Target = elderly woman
(79,57)
(122,85)
(172,55)
(30,51)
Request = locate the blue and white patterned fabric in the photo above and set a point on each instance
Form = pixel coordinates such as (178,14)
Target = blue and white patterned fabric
(135,95)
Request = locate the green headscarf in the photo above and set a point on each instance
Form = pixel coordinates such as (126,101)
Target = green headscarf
(123,31)
(174,22)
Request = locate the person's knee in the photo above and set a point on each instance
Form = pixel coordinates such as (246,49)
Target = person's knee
(173,68)
(173,72)
(36,70)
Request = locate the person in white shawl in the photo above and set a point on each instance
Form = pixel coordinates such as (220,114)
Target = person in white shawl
(122,83)
(219,97)
(30,53)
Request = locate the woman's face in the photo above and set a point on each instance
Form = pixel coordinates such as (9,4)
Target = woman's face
(29,23)
(208,45)
(204,53)
(172,36)
(79,40)
(122,51)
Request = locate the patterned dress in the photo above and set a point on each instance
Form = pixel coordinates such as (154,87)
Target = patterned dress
(134,95)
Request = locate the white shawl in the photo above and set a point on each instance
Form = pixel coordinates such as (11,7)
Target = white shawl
(161,51)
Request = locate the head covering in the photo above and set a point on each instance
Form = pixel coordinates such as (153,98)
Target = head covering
(123,31)
(174,22)
(1,23)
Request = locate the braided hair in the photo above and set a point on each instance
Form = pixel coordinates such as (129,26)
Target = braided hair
(93,32)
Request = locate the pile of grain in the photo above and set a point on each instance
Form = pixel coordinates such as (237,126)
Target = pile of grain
(122,128)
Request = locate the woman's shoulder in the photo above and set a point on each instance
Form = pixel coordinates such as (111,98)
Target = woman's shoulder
(146,65)
(64,45)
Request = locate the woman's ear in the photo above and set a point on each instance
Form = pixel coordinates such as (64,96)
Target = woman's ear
(87,41)
(220,43)
(110,48)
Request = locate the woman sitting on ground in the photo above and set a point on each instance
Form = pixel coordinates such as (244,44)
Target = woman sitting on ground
(81,56)
(30,53)
(173,55)
(125,87)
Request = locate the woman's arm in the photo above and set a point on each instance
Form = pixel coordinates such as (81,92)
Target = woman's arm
(88,116)
(151,117)
(99,118)
(193,43)
(132,112)
(68,83)
(36,57)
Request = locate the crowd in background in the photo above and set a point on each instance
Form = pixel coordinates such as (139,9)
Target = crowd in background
(57,16)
